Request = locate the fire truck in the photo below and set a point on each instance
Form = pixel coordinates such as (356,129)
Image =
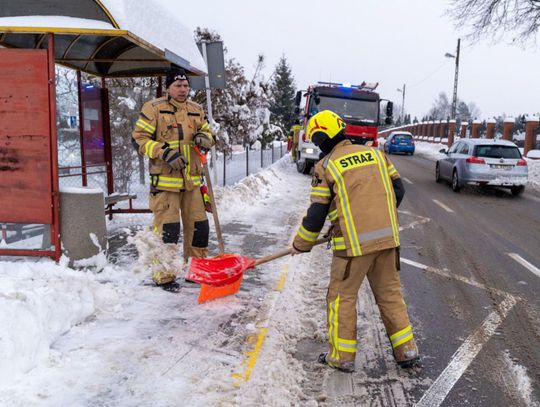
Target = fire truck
(358,105)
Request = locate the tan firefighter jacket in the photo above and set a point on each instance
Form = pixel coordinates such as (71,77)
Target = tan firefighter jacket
(165,122)
(352,186)
(294,133)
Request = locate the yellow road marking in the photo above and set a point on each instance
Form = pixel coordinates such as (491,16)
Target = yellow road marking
(252,355)
(258,339)
(283,278)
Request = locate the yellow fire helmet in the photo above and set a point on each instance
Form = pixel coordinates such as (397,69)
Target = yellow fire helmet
(324,125)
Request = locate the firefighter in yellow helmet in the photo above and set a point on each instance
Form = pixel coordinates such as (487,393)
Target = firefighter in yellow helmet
(294,135)
(358,189)
(167,132)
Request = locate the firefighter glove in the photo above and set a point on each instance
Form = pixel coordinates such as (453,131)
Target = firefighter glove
(174,159)
(203,141)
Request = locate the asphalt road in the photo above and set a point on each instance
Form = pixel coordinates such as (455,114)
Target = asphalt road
(476,310)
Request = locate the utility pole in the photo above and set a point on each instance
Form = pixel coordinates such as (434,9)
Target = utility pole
(213,157)
(402,103)
(454,99)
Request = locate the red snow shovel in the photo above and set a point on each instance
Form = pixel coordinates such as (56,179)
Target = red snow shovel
(221,275)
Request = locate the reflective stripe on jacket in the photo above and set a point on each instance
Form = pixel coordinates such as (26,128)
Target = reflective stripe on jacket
(354,185)
(166,123)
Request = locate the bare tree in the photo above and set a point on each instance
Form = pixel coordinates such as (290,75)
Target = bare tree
(494,18)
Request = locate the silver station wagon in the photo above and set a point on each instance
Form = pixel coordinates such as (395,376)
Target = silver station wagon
(483,162)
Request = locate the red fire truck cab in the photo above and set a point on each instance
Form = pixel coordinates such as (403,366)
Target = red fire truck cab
(357,105)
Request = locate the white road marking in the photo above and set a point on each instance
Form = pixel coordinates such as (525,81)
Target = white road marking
(446,208)
(466,353)
(407,180)
(525,263)
(447,274)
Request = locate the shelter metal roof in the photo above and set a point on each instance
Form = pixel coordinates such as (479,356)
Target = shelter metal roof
(108,38)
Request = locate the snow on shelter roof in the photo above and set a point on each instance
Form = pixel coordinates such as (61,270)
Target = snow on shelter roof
(103,37)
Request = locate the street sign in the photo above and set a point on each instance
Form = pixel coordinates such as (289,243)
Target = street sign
(215,64)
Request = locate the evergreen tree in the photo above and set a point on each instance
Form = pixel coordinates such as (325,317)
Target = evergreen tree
(463,111)
(282,93)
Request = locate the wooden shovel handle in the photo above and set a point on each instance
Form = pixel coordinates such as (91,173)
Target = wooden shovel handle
(217,225)
(283,253)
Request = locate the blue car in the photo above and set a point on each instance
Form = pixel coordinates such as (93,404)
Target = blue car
(399,142)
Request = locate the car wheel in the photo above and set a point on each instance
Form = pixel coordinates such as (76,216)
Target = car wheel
(518,190)
(455,182)
(437,173)
(303,166)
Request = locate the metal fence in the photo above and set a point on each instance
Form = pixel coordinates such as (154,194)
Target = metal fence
(228,169)
(225,170)
(232,168)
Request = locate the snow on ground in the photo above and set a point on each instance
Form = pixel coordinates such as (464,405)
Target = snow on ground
(85,338)
(81,338)
(431,152)
(519,379)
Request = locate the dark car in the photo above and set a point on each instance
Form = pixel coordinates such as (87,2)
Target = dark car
(399,142)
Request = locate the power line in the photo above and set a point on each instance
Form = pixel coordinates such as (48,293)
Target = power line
(430,75)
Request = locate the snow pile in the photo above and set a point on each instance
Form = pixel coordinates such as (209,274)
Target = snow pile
(38,303)
(252,189)
(534,173)
(430,150)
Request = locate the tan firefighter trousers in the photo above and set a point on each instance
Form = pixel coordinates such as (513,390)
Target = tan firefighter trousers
(294,152)
(167,206)
(346,276)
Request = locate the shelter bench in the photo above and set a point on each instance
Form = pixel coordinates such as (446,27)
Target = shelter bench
(113,199)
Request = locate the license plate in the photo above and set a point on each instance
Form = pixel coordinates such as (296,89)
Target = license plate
(502,167)
(403,144)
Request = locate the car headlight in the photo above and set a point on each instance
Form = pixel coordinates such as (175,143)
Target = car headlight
(309,151)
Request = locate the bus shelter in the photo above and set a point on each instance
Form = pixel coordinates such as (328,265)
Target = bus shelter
(108,39)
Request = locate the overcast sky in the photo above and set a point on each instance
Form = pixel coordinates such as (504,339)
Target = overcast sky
(391,42)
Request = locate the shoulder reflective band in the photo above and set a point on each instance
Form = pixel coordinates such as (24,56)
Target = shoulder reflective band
(345,209)
(390,200)
(149,148)
(355,160)
(145,126)
(400,337)
(307,235)
(320,191)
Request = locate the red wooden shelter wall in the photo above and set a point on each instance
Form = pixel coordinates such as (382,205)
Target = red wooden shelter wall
(25,150)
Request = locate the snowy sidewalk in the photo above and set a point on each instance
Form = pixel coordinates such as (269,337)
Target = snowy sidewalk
(78,338)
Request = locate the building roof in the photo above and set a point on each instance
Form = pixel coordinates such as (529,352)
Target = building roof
(108,38)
